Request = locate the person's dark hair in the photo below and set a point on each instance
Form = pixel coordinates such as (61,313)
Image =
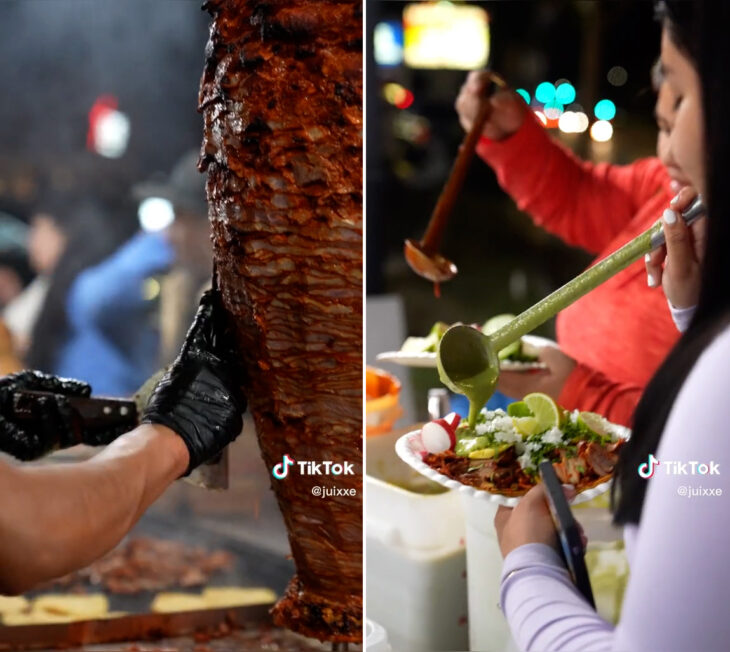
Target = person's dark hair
(680,19)
(90,238)
(713,311)
(17,260)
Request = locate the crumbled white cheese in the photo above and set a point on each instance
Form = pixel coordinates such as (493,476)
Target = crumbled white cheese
(500,412)
(532,446)
(502,423)
(481,429)
(507,437)
(553,436)
(525,460)
(574,416)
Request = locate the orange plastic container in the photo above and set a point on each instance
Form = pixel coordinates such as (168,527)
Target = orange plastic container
(382,393)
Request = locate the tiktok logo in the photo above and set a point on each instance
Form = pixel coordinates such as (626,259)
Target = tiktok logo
(280,471)
(646,470)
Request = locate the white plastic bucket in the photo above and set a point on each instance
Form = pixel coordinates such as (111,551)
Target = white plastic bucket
(488,629)
(415,556)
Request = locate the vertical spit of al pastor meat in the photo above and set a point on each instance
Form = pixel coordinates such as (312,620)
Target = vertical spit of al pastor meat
(281,96)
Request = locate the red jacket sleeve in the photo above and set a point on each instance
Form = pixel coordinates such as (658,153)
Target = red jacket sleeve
(590,390)
(584,204)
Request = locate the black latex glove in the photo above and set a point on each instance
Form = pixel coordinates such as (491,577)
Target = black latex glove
(199,397)
(51,427)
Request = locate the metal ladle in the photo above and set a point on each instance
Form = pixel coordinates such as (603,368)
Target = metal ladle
(467,358)
(423,257)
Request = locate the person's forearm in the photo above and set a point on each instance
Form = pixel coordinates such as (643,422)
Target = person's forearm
(55,519)
(585,205)
(542,606)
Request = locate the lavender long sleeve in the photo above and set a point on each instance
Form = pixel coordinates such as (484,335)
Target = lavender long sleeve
(681,316)
(678,595)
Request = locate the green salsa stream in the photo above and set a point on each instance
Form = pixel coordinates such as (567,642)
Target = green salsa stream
(469,364)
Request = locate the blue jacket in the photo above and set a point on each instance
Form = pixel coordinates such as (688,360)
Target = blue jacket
(114,327)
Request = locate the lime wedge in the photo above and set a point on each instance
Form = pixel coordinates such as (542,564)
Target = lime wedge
(417,345)
(594,422)
(546,411)
(438,330)
(493,325)
(519,409)
(526,426)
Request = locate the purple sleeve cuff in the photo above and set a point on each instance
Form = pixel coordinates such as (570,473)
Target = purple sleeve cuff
(681,316)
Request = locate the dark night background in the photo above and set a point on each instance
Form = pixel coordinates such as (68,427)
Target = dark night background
(58,56)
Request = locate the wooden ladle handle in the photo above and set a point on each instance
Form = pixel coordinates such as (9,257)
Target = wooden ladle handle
(431,241)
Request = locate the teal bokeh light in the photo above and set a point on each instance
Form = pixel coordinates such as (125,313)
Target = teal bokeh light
(545,92)
(523,94)
(605,110)
(565,93)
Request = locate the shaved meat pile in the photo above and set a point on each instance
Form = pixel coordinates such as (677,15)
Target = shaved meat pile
(592,465)
(281,96)
(147,564)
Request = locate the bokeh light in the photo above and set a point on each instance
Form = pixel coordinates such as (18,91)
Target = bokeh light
(568,122)
(573,122)
(397,95)
(617,76)
(388,43)
(523,94)
(565,93)
(602,131)
(582,122)
(155,214)
(605,110)
(445,35)
(553,110)
(545,92)
(406,101)
(541,117)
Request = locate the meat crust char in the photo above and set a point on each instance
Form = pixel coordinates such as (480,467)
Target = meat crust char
(281,96)
(592,466)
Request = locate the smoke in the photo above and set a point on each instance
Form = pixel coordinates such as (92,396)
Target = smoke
(57,57)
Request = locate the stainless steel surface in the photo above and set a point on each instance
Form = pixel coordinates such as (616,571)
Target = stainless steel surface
(438,402)
(212,474)
(695,211)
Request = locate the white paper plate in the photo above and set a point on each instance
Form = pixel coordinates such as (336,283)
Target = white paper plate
(409,449)
(428,360)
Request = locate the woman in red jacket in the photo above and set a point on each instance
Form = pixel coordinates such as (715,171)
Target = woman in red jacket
(613,339)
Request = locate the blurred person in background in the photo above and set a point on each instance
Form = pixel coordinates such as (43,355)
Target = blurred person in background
(15,270)
(99,321)
(612,340)
(126,316)
(15,275)
(189,236)
(46,241)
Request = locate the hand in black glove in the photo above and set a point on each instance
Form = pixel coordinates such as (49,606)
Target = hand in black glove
(52,425)
(200,397)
